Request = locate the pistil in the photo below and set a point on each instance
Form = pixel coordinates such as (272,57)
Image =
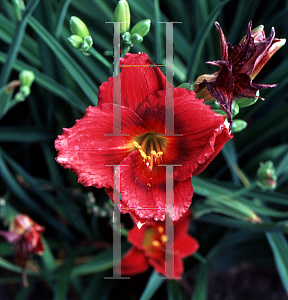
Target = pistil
(151,147)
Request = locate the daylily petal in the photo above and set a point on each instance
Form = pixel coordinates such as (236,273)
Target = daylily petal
(223,43)
(204,134)
(144,192)
(133,262)
(137,82)
(184,244)
(259,51)
(203,131)
(86,150)
(11,237)
(274,46)
(125,210)
(200,88)
(136,236)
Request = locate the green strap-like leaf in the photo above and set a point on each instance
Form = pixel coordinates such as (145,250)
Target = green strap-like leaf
(153,284)
(200,290)
(17,39)
(197,48)
(279,246)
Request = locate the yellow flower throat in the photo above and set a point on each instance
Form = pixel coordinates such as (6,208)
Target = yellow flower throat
(151,147)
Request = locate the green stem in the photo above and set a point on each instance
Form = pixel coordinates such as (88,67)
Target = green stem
(199,257)
(247,188)
(99,57)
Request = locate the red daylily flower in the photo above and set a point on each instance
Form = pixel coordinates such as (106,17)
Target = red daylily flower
(25,234)
(149,247)
(87,150)
(239,65)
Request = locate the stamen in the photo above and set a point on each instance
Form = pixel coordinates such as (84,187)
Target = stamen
(146,149)
(156,243)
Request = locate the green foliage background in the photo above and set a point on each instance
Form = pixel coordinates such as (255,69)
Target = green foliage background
(79,242)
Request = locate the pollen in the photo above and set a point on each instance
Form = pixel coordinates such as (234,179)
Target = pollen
(156,243)
(151,148)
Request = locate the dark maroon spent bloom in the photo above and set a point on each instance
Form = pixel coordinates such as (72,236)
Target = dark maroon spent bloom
(239,65)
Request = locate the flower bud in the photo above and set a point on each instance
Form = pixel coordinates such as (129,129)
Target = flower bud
(243,102)
(126,37)
(26,78)
(235,109)
(238,125)
(75,41)
(136,38)
(267,178)
(122,14)
(86,44)
(78,27)
(25,90)
(186,85)
(19,97)
(142,27)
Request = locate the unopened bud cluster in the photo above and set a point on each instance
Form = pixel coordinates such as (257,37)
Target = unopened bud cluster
(267,178)
(135,36)
(80,38)
(26,79)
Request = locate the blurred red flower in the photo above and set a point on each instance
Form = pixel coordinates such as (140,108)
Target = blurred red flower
(239,65)
(25,234)
(87,150)
(149,247)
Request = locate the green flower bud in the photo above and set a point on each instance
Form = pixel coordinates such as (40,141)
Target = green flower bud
(78,27)
(126,37)
(243,102)
(19,97)
(75,41)
(186,85)
(136,38)
(235,109)
(267,178)
(122,14)
(142,27)
(26,78)
(25,90)
(86,44)
(238,125)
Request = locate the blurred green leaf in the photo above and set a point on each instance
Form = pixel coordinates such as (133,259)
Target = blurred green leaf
(98,263)
(17,39)
(21,134)
(173,290)
(279,246)
(200,289)
(199,41)
(153,284)
(64,275)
